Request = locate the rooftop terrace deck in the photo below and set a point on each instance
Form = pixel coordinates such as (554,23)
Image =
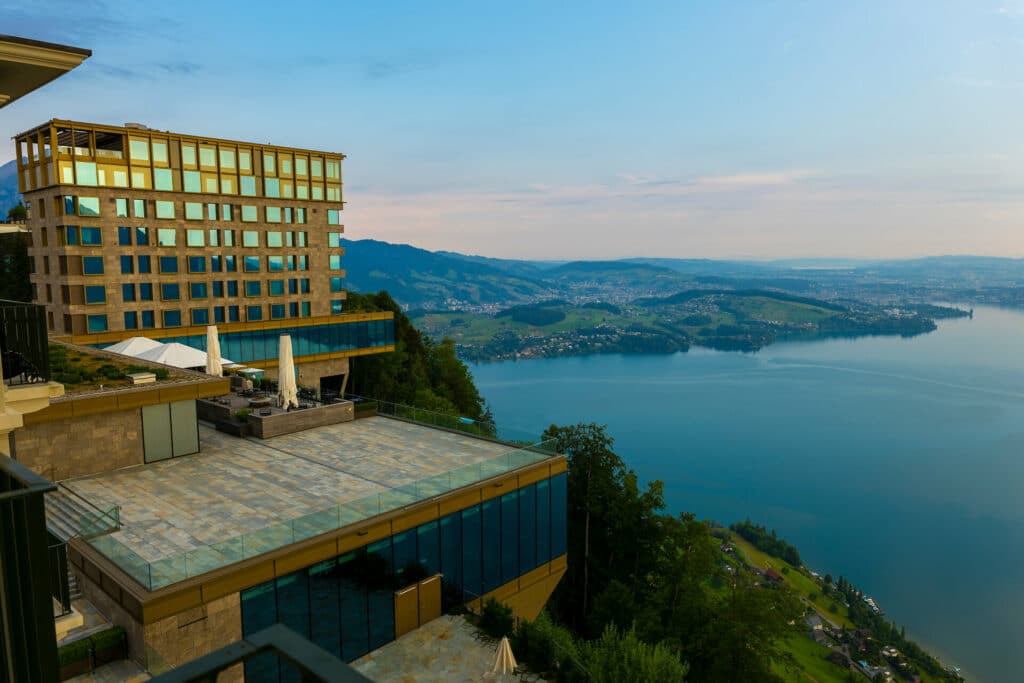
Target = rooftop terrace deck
(241,497)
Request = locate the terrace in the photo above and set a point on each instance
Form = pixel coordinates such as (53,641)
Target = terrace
(240,498)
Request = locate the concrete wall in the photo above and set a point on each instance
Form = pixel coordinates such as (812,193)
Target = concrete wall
(77,446)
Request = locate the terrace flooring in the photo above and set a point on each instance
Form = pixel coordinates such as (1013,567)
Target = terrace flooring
(239,486)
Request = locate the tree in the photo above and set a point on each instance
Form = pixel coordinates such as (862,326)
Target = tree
(18,212)
(621,656)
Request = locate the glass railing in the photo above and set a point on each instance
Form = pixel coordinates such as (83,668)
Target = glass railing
(171,570)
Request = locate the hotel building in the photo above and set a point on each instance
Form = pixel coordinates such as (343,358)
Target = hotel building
(138,232)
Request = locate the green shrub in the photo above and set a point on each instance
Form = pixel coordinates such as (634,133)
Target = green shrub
(161,373)
(68,378)
(622,656)
(112,637)
(496,619)
(544,646)
(74,651)
(243,415)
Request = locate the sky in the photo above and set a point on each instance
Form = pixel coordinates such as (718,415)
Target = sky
(591,130)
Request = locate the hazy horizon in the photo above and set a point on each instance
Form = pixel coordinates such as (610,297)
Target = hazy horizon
(746,130)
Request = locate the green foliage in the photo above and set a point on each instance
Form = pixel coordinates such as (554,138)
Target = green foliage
(14,268)
(496,619)
(111,637)
(544,646)
(18,212)
(768,542)
(621,656)
(419,373)
(243,415)
(537,316)
(75,651)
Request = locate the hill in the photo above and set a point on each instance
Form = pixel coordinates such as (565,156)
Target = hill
(9,195)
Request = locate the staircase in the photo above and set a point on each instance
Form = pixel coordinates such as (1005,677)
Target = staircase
(69,516)
(74,592)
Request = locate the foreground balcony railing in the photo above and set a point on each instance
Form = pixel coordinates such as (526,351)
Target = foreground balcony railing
(23,343)
(171,570)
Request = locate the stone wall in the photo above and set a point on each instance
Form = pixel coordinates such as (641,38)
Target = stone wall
(77,446)
(193,633)
(300,420)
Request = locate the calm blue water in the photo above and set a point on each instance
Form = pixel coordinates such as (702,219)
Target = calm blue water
(898,463)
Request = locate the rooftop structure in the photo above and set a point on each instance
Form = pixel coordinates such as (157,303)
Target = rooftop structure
(137,231)
(26,65)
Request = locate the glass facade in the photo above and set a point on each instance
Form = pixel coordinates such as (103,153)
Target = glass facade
(346,604)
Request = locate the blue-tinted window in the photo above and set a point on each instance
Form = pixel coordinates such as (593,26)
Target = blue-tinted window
(172,318)
(124,236)
(95,294)
(233,316)
(472,576)
(304,285)
(92,265)
(306,312)
(127,265)
(253,287)
(354,617)
(451,560)
(197,264)
(145,291)
(142,237)
(293,286)
(70,234)
(127,292)
(230,265)
(428,548)
(491,551)
(275,287)
(168,264)
(293,309)
(131,320)
(276,311)
(337,284)
(543,521)
(218,288)
(91,237)
(259,610)
(380,599)
(334,262)
(148,319)
(404,545)
(96,323)
(218,314)
(197,290)
(170,291)
(527,528)
(337,305)
(251,264)
(509,536)
(215,264)
(254,313)
(145,264)
(558,513)
(232,287)
(324,605)
(275,264)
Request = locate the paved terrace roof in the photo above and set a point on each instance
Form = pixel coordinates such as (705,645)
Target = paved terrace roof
(239,486)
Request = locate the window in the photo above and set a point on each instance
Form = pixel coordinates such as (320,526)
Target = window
(232,287)
(145,291)
(275,287)
(286,165)
(164,209)
(142,237)
(127,292)
(160,152)
(274,239)
(218,288)
(95,294)
(162,179)
(244,160)
(168,264)
(200,316)
(268,163)
(249,214)
(195,237)
(91,237)
(85,173)
(316,165)
(253,288)
(293,286)
(318,191)
(277,311)
(271,187)
(207,156)
(92,265)
(145,265)
(138,150)
(293,309)
(88,206)
(273,214)
(211,212)
(170,291)
(230,265)
(131,320)
(275,264)
(124,237)
(193,181)
(214,236)
(333,194)
(251,264)
(229,238)
(301,236)
(300,215)
(247,186)
(96,323)
(290,262)
(172,318)
(218,314)
(288,214)
(225,212)
(127,265)
(148,320)
(121,208)
(167,237)
(227,185)
(334,262)
(194,211)
(197,290)
(139,208)
(250,238)
(333,217)
(334,239)
(197,264)
(304,285)
(254,313)
(302,191)
(188,154)
(306,312)
(336,306)
(216,264)
(337,284)
(303,262)
(300,166)
(227,158)
(70,233)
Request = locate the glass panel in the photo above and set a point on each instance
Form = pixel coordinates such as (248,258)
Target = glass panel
(509,536)
(124,236)
(527,528)
(92,265)
(88,206)
(85,173)
(380,597)
(259,610)
(170,291)
(192,181)
(247,186)
(164,209)
(249,214)
(160,151)
(558,515)
(145,264)
(167,237)
(168,264)
(543,521)
(138,150)
(162,179)
(354,615)
(194,211)
(491,547)
(96,323)
(145,291)
(207,156)
(172,318)
(95,294)
(195,237)
(139,208)
(324,606)
(91,236)
(121,208)
(471,555)
(227,158)
(188,155)
(127,265)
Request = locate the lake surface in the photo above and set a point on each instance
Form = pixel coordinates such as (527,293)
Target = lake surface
(898,463)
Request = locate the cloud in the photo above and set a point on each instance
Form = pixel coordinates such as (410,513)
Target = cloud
(180,68)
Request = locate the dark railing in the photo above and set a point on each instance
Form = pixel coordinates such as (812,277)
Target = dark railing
(23,343)
(314,664)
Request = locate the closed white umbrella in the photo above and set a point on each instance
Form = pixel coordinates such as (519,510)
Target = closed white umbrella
(504,662)
(287,390)
(213,364)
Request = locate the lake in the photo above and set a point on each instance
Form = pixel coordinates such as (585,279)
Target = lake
(897,463)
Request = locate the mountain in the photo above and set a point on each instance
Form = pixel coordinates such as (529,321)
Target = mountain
(417,278)
(9,195)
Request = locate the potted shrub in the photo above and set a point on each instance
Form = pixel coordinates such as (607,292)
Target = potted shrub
(75,658)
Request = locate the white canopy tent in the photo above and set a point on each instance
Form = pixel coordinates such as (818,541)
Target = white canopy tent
(174,354)
(134,346)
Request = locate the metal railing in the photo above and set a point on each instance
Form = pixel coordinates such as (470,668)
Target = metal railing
(171,570)
(24,346)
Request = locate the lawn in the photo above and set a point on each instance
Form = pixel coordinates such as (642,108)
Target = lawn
(79,371)
(811,663)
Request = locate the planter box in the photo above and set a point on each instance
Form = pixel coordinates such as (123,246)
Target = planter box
(239,429)
(82,666)
(109,654)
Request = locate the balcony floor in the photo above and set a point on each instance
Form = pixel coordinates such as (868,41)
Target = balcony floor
(237,486)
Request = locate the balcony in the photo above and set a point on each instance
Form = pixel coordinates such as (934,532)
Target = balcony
(23,343)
